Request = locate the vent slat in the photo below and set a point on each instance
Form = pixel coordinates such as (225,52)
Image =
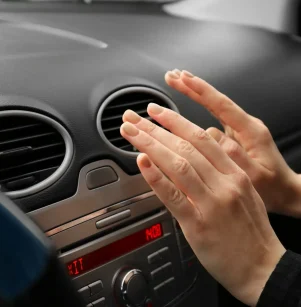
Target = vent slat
(45,157)
(117,139)
(111,117)
(30,163)
(36,173)
(26,138)
(111,129)
(19,128)
(119,116)
(126,147)
(49,146)
(129,104)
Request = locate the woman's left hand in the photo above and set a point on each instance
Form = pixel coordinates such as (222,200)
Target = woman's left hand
(221,214)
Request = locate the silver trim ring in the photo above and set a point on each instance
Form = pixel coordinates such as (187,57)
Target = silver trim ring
(63,167)
(129,90)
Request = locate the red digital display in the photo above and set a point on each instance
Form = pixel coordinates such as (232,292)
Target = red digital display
(114,250)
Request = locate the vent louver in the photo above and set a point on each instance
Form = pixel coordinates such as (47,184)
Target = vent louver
(109,117)
(32,149)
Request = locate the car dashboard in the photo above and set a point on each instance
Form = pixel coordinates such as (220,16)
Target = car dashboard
(68,71)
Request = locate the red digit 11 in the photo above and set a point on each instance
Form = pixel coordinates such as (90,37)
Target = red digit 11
(76,267)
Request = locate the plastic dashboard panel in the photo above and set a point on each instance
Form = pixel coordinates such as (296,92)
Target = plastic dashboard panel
(68,79)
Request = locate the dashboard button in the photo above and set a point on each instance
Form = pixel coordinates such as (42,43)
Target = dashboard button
(100,177)
(167,269)
(84,292)
(89,305)
(95,287)
(169,288)
(113,219)
(160,291)
(154,258)
(158,275)
(164,254)
(100,303)
(164,291)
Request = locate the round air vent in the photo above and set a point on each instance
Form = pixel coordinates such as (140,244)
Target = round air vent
(35,151)
(109,117)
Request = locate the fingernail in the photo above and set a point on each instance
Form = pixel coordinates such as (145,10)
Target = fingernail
(177,71)
(145,161)
(172,75)
(129,129)
(155,108)
(187,74)
(132,116)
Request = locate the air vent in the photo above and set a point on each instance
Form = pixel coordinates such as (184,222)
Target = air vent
(109,118)
(34,152)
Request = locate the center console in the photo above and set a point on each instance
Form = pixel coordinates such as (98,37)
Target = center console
(127,253)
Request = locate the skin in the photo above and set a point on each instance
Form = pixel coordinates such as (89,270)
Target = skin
(248,142)
(220,212)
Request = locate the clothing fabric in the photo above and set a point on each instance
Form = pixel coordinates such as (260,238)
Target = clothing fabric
(283,289)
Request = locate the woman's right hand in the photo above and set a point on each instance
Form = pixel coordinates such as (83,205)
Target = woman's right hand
(222,216)
(248,142)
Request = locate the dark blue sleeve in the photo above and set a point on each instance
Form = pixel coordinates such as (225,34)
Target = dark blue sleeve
(23,257)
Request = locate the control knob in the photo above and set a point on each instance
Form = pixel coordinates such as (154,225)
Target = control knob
(131,288)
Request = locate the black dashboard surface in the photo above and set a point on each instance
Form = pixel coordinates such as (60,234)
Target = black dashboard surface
(68,77)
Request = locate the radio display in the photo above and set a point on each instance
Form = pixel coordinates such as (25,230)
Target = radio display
(114,250)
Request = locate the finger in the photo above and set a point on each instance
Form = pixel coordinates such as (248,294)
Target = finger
(234,151)
(203,167)
(222,107)
(219,104)
(190,132)
(177,203)
(174,166)
(215,133)
(172,78)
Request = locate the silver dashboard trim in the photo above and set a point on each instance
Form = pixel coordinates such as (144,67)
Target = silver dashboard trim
(99,213)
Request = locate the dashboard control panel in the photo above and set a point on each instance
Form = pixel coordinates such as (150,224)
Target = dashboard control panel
(143,265)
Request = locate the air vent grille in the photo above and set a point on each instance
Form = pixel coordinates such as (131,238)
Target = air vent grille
(136,99)
(31,150)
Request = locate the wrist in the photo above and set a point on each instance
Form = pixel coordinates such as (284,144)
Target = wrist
(290,203)
(260,272)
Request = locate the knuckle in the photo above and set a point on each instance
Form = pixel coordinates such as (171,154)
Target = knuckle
(150,128)
(258,121)
(223,101)
(238,185)
(201,135)
(175,196)
(155,179)
(265,133)
(184,147)
(233,195)
(231,148)
(242,180)
(148,142)
(263,130)
(181,166)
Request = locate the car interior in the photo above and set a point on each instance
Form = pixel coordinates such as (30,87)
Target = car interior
(68,71)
